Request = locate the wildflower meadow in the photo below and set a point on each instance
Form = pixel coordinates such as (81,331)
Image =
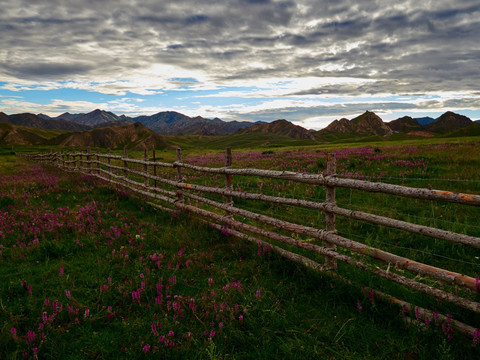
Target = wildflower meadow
(90,271)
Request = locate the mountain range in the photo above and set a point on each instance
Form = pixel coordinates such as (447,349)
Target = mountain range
(31,120)
(106,129)
(166,122)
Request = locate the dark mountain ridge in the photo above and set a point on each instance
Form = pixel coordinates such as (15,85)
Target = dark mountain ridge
(449,121)
(280,127)
(425,120)
(174,123)
(32,120)
(404,124)
(366,124)
(134,136)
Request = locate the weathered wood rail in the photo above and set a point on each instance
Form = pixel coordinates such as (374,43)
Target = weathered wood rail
(126,171)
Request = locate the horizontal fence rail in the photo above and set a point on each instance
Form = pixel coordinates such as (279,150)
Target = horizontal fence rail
(171,189)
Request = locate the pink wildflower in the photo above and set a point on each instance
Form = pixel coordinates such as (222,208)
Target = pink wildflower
(476,337)
(30,336)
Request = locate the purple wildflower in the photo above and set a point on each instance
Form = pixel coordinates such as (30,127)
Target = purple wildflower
(359,306)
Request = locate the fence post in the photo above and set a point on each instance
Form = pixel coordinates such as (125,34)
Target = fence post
(154,168)
(98,161)
(330,200)
(109,168)
(125,163)
(80,156)
(145,167)
(76,160)
(179,174)
(228,178)
(89,168)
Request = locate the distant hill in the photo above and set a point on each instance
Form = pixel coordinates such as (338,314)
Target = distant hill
(425,120)
(32,120)
(3,117)
(366,124)
(65,116)
(163,122)
(174,123)
(134,136)
(280,127)
(68,116)
(202,126)
(472,130)
(404,124)
(94,117)
(21,135)
(45,117)
(17,135)
(448,122)
(120,122)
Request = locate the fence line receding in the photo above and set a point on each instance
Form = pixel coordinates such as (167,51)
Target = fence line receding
(166,186)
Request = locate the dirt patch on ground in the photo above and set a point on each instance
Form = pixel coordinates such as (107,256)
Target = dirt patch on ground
(420,133)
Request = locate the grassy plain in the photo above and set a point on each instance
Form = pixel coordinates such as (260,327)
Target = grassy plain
(89,272)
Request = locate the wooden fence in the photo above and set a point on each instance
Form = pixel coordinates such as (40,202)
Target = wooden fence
(169,191)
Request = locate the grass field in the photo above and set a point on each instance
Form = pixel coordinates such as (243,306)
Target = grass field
(90,272)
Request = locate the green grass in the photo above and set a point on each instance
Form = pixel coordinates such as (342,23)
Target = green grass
(297,313)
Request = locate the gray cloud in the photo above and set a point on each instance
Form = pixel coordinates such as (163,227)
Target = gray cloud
(41,70)
(416,48)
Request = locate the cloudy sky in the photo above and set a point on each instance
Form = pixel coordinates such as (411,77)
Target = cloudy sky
(307,61)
